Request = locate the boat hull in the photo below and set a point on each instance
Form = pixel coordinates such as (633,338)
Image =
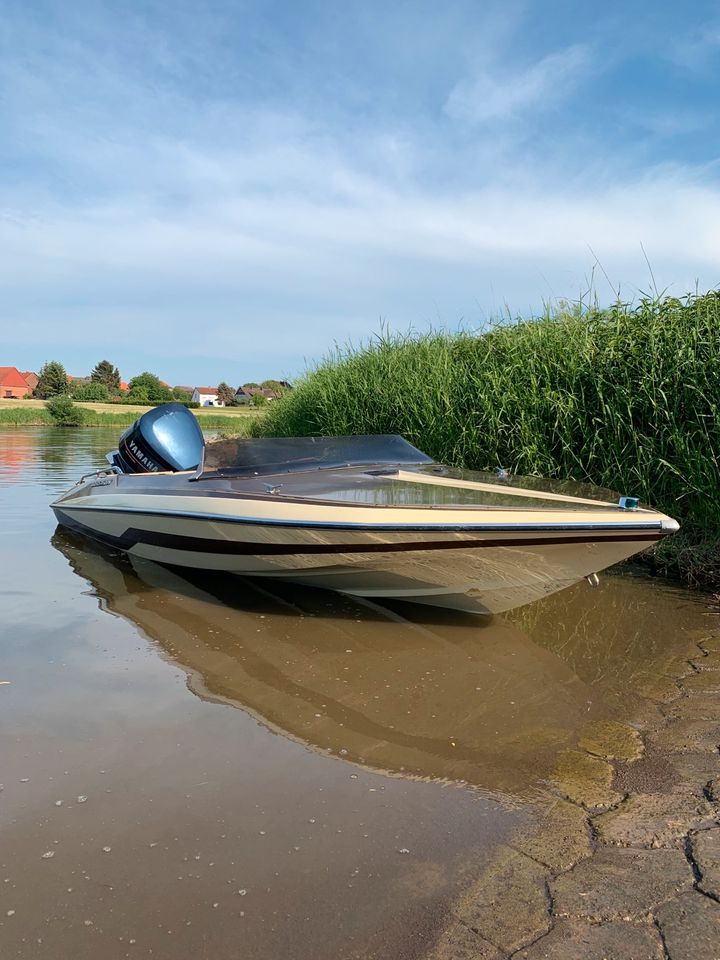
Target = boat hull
(480,570)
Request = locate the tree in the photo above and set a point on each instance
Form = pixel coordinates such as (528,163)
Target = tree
(155,390)
(258,400)
(52,380)
(64,412)
(225,394)
(94,391)
(277,388)
(105,372)
(139,395)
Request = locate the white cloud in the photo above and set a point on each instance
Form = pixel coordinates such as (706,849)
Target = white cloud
(143,217)
(493,93)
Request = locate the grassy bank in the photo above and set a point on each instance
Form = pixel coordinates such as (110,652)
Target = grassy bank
(626,398)
(35,413)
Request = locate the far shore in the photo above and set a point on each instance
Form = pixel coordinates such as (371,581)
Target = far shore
(9,402)
(33,413)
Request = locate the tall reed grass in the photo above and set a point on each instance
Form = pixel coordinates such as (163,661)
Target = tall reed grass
(625,397)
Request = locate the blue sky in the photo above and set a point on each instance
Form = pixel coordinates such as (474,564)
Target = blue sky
(223,190)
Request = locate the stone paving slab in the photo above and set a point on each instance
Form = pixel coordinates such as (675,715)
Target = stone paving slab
(560,839)
(689,735)
(700,706)
(621,884)
(612,740)
(653,819)
(508,905)
(680,666)
(706,681)
(711,661)
(705,846)
(586,780)
(710,644)
(580,940)
(690,926)
(694,771)
(663,689)
(458,942)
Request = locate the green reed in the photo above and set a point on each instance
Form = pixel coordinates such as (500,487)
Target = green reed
(625,397)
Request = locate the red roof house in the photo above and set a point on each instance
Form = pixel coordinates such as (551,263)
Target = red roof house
(12,383)
(31,379)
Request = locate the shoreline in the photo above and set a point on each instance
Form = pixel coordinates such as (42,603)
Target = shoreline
(626,860)
(31,413)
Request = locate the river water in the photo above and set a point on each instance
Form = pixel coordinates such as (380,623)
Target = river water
(199,766)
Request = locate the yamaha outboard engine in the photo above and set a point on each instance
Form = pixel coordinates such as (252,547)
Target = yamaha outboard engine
(165,438)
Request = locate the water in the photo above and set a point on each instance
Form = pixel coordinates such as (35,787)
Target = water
(200,766)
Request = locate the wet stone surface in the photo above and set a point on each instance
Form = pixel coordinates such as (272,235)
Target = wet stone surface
(560,839)
(621,884)
(614,940)
(653,820)
(612,740)
(459,942)
(690,926)
(508,904)
(705,846)
(640,879)
(586,780)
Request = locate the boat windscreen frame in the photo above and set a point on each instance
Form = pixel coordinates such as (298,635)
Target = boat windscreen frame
(242,456)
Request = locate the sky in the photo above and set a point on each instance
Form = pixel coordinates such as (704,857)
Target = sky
(225,190)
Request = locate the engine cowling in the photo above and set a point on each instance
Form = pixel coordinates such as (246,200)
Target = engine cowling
(167,437)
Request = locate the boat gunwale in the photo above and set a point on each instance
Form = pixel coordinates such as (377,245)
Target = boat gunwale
(655,524)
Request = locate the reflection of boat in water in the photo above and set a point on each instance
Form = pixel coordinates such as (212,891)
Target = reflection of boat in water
(368,516)
(443,696)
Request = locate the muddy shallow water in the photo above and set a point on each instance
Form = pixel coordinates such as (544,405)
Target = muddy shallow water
(204,767)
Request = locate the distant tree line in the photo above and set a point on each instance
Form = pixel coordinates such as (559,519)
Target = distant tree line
(103,386)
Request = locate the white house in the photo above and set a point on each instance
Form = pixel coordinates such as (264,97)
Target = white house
(206,397)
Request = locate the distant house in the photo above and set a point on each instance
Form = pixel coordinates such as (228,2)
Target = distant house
(245,394)
(182,389)
(206,397)
(31,379)
(124,386)
(12,383)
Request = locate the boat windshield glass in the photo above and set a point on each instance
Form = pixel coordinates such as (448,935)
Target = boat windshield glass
(241,456)
(412,489)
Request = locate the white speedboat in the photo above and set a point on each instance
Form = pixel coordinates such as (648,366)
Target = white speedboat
(370,516)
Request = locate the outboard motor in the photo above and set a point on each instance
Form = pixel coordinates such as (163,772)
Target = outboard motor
(165,438)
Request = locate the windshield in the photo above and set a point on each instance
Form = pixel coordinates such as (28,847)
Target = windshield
(290,454)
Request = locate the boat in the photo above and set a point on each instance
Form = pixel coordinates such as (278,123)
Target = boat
(370,516)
